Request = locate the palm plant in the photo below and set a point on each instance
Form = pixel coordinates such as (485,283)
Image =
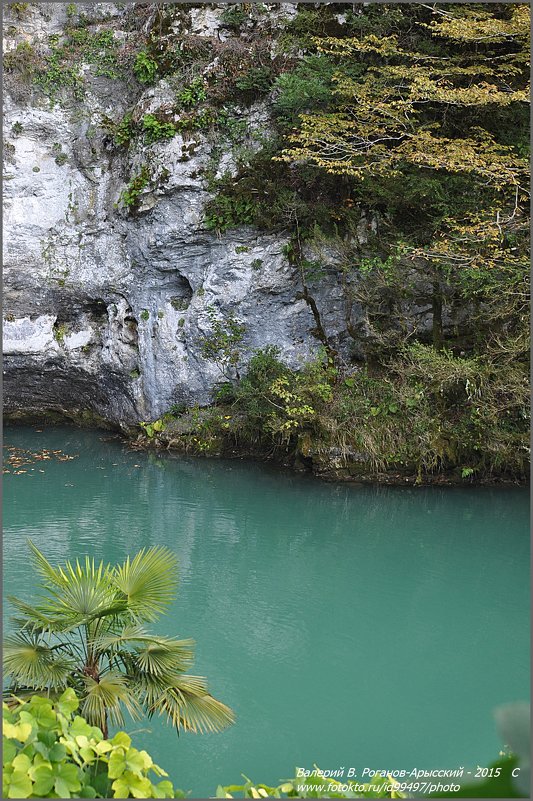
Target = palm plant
(88,632)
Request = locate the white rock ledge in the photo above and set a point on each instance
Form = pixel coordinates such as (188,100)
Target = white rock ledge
(30,336)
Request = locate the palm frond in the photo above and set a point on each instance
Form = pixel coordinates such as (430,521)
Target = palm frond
(113,641)
(77,593)
(104,698)
(162,655)
(148,653)
(82,600)
(188,686)
(184,701)
(86,633)
(148,581)
(52,575)
(189,709)
(33,663)
(33,616)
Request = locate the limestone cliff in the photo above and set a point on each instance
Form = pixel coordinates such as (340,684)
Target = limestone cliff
(104,309)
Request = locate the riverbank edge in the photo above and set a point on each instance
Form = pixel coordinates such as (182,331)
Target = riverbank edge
(301,458)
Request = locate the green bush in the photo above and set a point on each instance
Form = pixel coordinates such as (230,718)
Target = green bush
(16,60)
(19,9)
(49,752)
(201,119)
(192,94)
(426,412)
(307,87)
(60,69)
(155,131)
(223,344)
(234,16)
(123,131)
(60,157)
(277,403)
(224,212)
(267,195)
(300,32)
(129,196)
(99,49)
(256,81)
(145,68)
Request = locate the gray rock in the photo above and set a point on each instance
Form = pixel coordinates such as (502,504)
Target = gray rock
(129,294)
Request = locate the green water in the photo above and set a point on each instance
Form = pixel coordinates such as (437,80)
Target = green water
(347,626)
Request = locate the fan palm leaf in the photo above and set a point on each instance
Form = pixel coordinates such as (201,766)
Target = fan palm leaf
(185,701)
(145,652)
(192,711)
(85,593)
(33,617)
(104,699)
(148,582)
(162,656)
(115,639)
(53,576)
(33,663)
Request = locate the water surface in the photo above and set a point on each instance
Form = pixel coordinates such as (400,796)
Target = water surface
(347,626)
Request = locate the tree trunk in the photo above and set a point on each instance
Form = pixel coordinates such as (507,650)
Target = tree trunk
(436,303)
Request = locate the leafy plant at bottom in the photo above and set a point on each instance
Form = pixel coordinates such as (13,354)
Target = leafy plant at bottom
(50,752)
(87,632)
(502,785)
(151,429)
(314,786)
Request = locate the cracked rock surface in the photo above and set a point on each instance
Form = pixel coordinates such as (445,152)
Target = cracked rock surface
(104,311)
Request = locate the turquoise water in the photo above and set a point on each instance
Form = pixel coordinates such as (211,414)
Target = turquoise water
(347,626)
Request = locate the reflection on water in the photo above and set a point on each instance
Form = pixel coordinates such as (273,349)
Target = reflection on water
(345,625)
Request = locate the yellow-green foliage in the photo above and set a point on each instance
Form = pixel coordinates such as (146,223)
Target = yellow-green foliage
(314,786)
(49,752)
(421,413)
(428,412)
(395,112)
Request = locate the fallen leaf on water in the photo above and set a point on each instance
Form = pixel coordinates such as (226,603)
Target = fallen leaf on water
(21,457)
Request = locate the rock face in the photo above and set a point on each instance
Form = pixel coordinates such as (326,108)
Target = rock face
(104,310)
